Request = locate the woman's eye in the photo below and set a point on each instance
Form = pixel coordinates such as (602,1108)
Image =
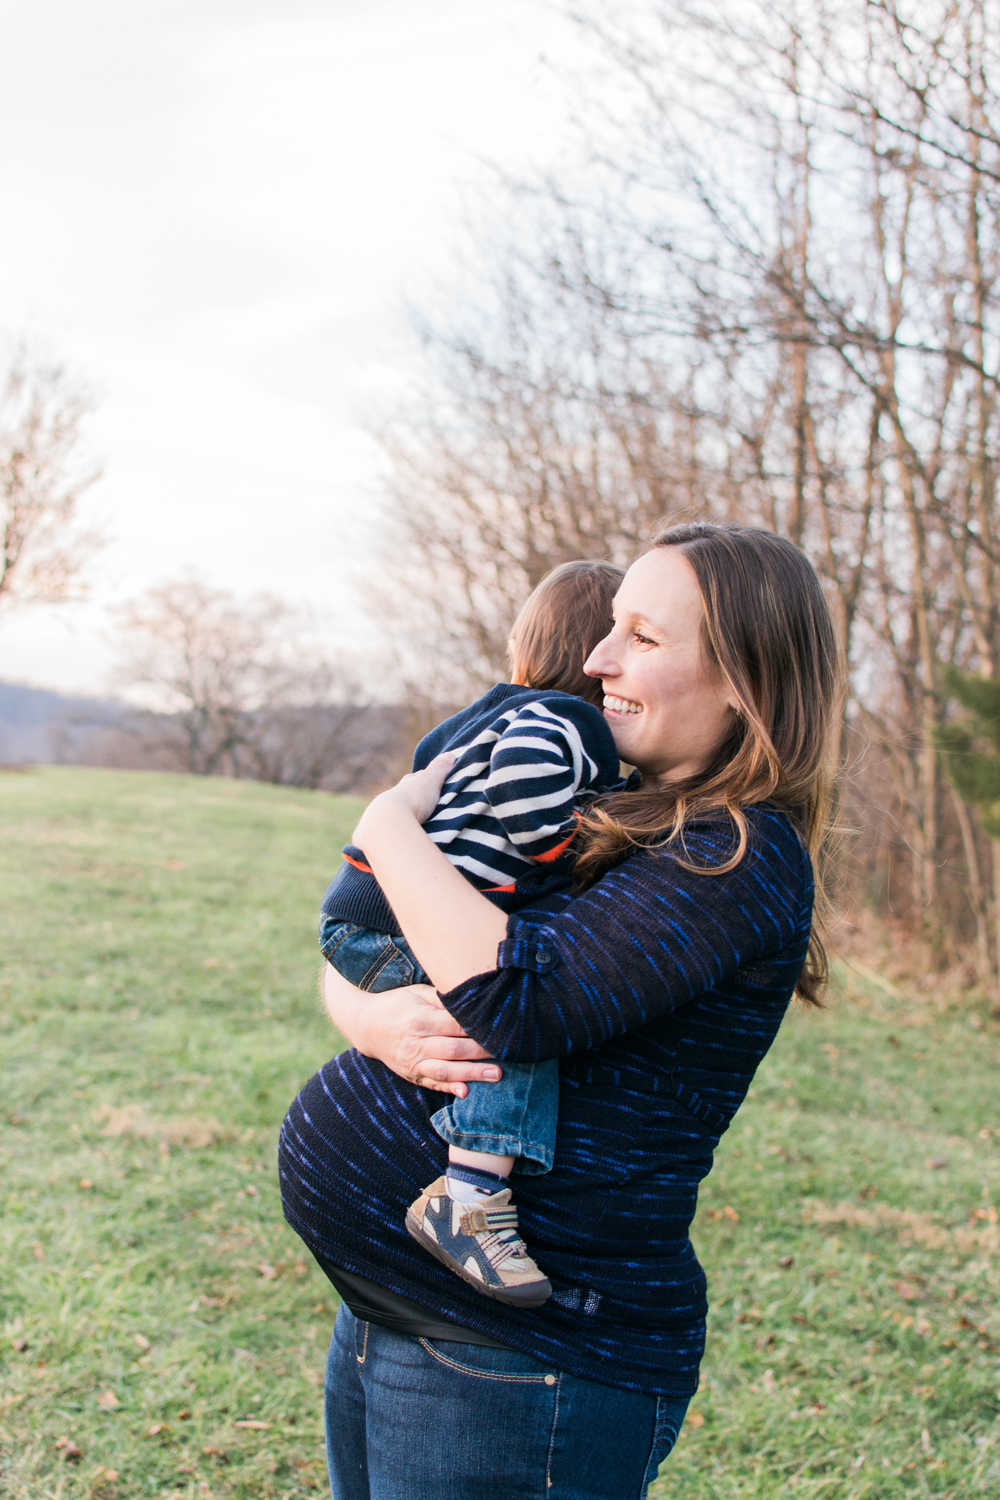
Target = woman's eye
(642,639)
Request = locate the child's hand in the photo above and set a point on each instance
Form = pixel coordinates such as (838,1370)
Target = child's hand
(419,793)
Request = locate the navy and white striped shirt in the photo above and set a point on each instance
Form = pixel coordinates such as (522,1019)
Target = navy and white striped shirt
(507,814)
(660,988)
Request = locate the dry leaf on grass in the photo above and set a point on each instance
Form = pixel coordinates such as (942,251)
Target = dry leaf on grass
(258,1426)
(108,1400)
(132,1119)
(918,1228)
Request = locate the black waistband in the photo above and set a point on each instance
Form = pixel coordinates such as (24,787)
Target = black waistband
(373,1304)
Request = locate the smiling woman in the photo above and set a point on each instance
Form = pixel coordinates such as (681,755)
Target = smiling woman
(668,704)
(724,633)
(660,986)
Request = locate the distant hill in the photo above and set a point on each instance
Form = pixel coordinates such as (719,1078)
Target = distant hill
(41,726)
(359,748)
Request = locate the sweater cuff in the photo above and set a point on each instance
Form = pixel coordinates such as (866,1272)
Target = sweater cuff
(535,953)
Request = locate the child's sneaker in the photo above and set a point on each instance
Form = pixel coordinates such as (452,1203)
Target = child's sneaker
(479,1242)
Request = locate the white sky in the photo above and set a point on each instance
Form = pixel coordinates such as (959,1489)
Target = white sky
(214,209)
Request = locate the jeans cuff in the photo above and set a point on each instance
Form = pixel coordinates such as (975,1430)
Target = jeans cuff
(530,1157)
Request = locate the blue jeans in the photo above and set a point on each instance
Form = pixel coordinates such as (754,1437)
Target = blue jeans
(415,1419)
(515,1117)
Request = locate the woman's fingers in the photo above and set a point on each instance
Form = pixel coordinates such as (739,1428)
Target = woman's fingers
(421,790)
(457,1090)
(436,1023)
(455,1048)
(451,1077)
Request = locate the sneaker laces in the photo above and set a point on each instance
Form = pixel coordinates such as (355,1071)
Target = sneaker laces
(495,1231)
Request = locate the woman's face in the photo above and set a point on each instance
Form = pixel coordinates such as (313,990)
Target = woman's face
(668,709)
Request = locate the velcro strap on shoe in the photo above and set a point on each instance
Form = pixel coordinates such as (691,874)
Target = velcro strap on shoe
(480,1220)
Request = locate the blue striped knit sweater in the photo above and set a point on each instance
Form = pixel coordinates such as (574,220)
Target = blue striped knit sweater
(661,989)
(507,813)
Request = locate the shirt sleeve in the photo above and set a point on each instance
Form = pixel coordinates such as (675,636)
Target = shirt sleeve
(536,769)
(647,938)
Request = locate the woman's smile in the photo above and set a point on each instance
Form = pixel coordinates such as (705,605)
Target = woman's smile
(615,708)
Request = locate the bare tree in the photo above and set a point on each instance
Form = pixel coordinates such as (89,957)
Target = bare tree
(540,435)
(767,294)
(44,472)
(236,688)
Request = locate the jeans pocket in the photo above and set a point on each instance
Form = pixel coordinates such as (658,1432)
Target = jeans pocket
(498,1365)
(670,1413)
(371,960)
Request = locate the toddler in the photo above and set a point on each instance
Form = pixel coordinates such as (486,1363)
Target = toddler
(528,753)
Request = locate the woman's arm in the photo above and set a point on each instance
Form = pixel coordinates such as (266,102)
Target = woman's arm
(410,1031)
(453,930)
(648,937)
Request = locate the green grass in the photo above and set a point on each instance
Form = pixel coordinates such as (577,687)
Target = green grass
(159,961)
(157,977)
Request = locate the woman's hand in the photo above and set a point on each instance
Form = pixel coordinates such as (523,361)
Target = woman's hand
(417,793)
(411,1032)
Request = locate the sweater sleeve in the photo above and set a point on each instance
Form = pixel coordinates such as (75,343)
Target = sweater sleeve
(537,767)
(647,938)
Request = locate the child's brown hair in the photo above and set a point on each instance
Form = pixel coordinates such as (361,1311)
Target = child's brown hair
(560,623)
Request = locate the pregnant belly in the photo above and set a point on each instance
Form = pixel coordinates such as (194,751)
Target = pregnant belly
(357,1146)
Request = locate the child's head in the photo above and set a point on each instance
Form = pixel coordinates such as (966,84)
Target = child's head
(560,623)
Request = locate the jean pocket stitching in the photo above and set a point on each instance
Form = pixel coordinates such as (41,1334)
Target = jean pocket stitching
(364,1347)
(381,963)
(662,1426)
(454,1364)
(345,934)
(375,969)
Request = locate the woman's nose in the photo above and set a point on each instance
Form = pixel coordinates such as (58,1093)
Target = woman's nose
(600,662)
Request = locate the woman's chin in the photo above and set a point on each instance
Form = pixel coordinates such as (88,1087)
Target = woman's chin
(623,729)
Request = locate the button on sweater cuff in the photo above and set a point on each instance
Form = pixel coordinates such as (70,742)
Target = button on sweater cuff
(527,953)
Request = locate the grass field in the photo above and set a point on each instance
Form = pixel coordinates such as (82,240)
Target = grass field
(163,1333)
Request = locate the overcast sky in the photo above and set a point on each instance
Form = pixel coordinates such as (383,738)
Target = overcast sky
(214,209)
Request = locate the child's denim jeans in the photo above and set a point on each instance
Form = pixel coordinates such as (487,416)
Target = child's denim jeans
(515,1117)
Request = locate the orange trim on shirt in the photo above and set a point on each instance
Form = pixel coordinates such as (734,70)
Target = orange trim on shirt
(550,854)
(358,865)
(501,887)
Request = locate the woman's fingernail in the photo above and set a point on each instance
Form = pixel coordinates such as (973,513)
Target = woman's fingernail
(492,1074)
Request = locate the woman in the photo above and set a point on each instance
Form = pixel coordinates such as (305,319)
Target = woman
(661,986)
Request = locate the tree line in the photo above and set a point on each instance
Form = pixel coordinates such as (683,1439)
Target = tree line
(766,292)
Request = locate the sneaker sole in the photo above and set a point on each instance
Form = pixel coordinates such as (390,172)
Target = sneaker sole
(515,1296)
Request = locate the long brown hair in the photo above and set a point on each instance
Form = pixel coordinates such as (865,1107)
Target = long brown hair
(560,623)
(767,629)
